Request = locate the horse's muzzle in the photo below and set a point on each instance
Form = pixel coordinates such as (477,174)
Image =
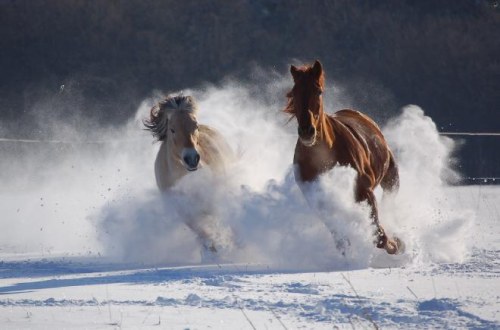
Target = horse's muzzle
(307,135)
(304,131)
(191,159)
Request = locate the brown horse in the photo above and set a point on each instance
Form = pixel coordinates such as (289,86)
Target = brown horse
(346,138)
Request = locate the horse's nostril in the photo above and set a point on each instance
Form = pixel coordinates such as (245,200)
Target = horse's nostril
(191,160)
(310,130)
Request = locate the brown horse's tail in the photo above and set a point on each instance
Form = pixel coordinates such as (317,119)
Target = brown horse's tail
(390,181)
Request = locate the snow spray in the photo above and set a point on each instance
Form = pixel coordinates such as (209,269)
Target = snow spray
(92,192)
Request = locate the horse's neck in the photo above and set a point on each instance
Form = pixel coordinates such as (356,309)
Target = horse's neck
(168,169)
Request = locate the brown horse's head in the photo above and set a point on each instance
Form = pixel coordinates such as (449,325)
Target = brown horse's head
(305,101)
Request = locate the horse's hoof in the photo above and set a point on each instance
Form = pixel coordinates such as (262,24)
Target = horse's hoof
(401,246)
(395,246)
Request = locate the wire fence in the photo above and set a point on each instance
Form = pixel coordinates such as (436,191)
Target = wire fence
(466,179)
(35,141)
(131,140)
(480,155)
(469,134)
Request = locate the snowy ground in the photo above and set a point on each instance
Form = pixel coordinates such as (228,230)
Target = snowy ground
(88,242)
(91,294)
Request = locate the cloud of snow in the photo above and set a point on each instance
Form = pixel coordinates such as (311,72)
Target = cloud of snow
(434,223)
(101,198)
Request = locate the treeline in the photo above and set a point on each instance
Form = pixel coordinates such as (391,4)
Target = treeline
(442,55)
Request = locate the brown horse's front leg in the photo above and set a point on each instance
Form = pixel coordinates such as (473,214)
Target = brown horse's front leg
(363,193)
(366,194)
(381,239)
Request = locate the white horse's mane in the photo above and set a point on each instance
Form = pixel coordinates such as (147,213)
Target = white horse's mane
(160,113)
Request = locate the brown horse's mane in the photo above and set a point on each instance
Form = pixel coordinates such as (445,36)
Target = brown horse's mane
(325,128)
(158,115)
(290,106)
(326,131)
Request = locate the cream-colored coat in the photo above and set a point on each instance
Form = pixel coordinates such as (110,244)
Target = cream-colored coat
(213,149)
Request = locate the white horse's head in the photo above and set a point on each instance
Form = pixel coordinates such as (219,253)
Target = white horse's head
(174,121)
(183,135)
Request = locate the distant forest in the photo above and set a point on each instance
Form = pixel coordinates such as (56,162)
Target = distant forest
(110,54)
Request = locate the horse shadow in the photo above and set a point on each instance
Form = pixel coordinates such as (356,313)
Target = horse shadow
(72,273)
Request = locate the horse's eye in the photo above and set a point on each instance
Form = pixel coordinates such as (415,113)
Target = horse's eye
(320,92)
(172,130)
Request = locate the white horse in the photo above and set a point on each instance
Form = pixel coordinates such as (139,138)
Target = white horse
(185,147)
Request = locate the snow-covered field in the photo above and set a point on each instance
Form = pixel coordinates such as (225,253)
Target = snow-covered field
(88,242)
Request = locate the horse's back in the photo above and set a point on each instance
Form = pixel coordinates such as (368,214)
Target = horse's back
(359,122)
(215,150)
(363,142)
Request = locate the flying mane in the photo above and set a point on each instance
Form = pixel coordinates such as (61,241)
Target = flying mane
(159,114)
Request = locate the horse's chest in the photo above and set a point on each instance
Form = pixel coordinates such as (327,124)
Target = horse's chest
(310,162)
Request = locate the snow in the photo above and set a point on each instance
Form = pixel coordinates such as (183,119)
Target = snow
(88,242)
(239,296)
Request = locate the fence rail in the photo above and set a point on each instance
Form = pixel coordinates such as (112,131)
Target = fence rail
(131,140)
(480,165)
(469,134)
(39,141)
(65,142)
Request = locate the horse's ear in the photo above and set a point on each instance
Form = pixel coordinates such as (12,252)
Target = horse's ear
(317,69)
(294,71)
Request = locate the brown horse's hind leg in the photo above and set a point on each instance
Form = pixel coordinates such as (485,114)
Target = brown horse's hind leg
(390,181)
(390,184)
